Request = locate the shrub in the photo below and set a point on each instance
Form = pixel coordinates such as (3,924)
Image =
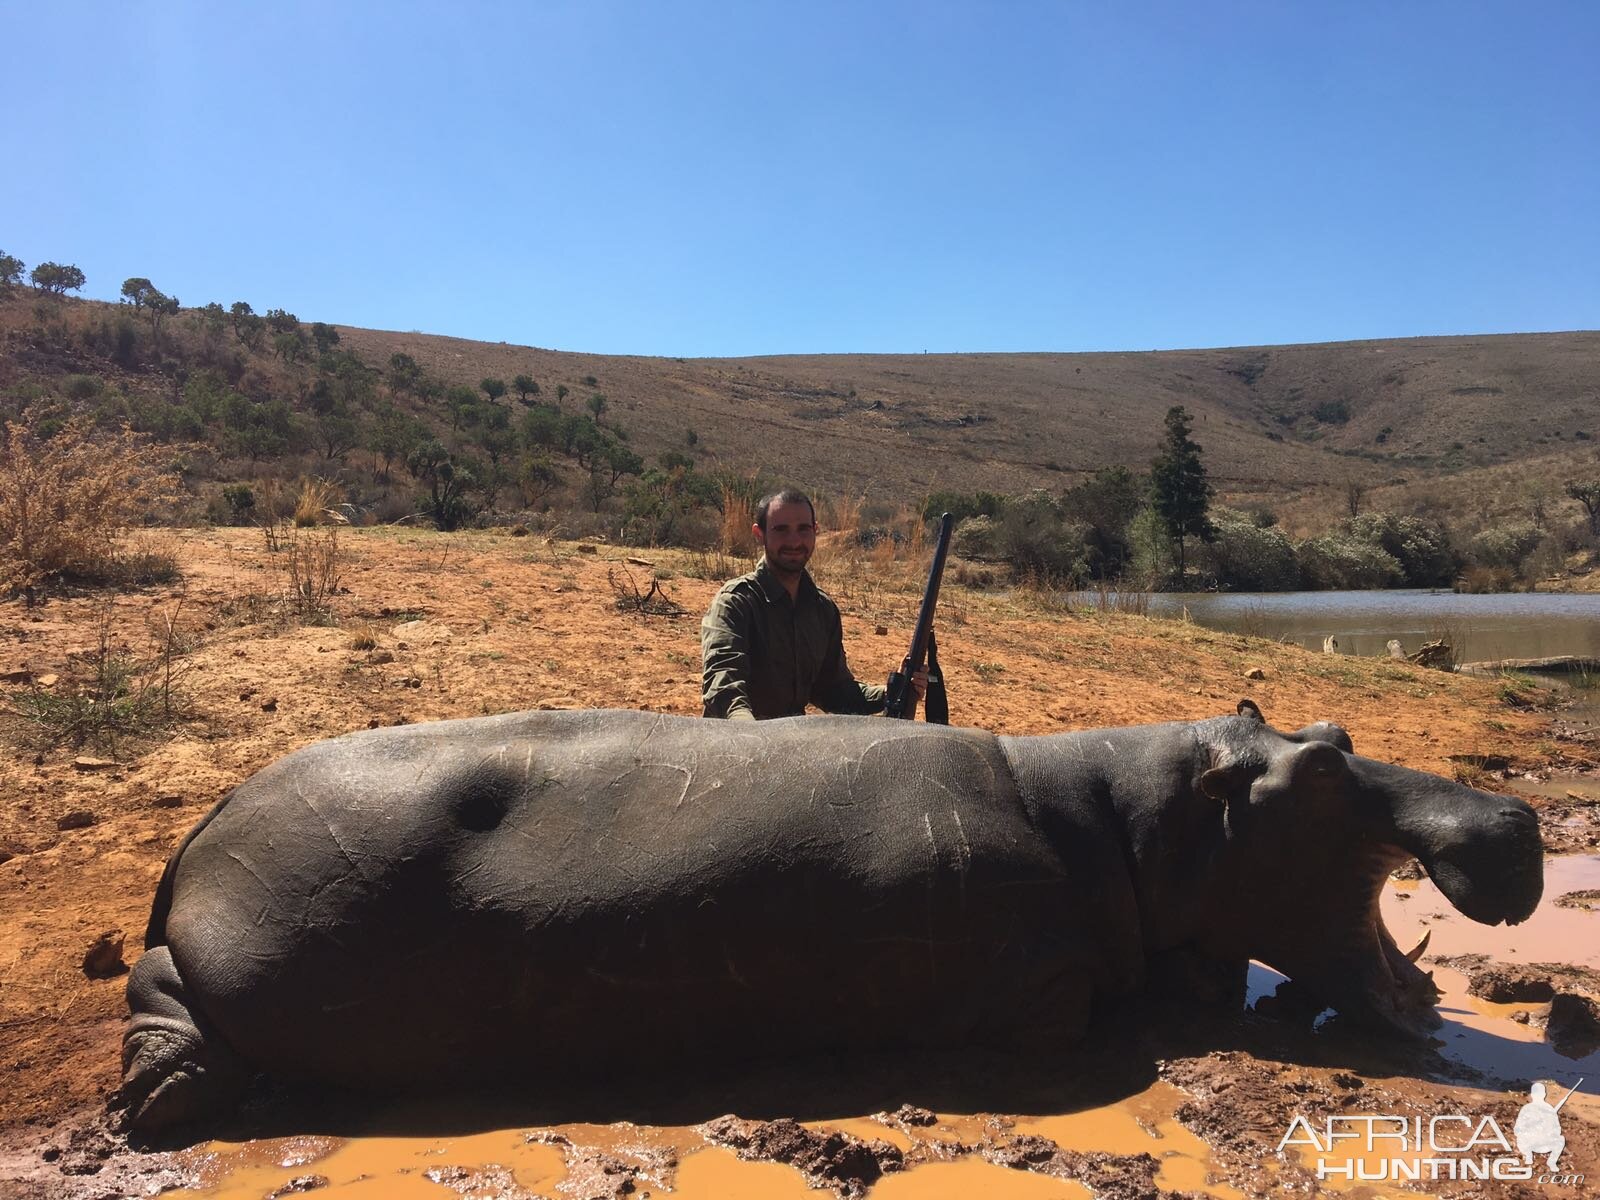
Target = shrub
(1505,546)
(1421,547)
(241,502)
(1341,561)
(1246,557)
(963,507)
(81,387)
(1035,538)
(65,500)
(977,538)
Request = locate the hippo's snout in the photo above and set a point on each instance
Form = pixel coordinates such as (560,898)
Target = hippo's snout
(1485,854)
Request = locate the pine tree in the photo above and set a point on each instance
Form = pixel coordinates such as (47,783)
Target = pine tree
(1179,489)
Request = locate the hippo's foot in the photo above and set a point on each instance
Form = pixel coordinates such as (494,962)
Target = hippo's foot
(175,1067)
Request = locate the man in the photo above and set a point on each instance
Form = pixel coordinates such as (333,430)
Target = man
(771,642)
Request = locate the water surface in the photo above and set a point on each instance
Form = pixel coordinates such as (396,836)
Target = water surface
(1506,625)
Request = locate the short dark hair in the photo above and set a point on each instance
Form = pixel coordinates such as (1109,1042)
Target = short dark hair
(786,496)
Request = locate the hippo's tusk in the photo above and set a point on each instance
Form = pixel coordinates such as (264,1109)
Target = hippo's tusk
(1416,951)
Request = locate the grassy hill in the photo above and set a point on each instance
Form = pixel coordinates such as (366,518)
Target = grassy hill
(900,424)
(1466,429)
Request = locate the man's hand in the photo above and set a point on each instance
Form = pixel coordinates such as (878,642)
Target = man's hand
(919,684)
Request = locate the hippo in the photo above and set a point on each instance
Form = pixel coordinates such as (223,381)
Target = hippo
(549,892)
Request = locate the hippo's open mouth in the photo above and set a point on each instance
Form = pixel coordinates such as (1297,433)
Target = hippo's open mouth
(1372,980)
(1369,979)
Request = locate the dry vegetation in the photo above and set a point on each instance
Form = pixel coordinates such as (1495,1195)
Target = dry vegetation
(65,499)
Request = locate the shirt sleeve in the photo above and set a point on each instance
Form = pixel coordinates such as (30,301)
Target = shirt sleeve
(725,658)
(837,690)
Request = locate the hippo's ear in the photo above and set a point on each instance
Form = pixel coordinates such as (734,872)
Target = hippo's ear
(1319,759)
(1249,708)
(1228,782)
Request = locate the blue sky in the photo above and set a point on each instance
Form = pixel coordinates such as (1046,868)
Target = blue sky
(751,177)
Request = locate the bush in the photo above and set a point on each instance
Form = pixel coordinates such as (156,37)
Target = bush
(81,387)
(241,501)
(1107,503)
(1506,547)
(977,538)
(1341,561)
(1245,557)
(963,507)
(1421,547)
(65,500)
(1036,539)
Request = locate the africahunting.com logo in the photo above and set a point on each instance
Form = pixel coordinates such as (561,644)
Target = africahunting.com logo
(1453,1146)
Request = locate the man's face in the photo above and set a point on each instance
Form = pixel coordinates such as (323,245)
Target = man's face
(790,536)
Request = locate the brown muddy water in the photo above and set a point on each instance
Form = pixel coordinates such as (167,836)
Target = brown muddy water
(953,1154)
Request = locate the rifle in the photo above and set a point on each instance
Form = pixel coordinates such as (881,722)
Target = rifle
(902,700)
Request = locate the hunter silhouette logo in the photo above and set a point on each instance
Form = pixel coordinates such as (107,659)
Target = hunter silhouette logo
(1538,1127)
(1450,1146)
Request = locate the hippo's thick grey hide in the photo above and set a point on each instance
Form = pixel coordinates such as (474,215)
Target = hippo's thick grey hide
(524,893)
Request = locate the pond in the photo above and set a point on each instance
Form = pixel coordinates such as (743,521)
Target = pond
(1505,625)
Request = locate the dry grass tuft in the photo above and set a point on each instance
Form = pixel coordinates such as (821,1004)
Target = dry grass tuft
(738,515)
(362,637)
(842,515)
(316,497)
(65,500)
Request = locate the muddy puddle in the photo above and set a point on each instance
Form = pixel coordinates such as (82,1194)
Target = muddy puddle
(1135,1145)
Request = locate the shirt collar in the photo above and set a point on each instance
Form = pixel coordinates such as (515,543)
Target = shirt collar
(774,591)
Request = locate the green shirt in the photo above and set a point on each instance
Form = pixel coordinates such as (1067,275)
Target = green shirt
(765,655)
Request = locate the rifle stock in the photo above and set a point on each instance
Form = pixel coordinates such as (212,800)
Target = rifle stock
(902,699)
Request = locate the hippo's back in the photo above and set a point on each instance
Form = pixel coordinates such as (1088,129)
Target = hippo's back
(529,881)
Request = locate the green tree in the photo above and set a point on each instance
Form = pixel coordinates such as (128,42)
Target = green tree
(10,271)
(324,336)
(56,278)
(561,393)
(160,305)
(135,290)
(462,402)
(663,497)
(1587,493)
(336,401)
(495,436)
(392,435)
(213,318)
(537,478)
(597,406)
(448,485)
(540,428)
(247,326)
(526,386)
(1107,503)
(1179,489)
(280,321)
(288,346)
(493,388)
(404,374)
(607,466)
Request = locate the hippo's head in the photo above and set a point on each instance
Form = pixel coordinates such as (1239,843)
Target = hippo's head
(1311,832)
